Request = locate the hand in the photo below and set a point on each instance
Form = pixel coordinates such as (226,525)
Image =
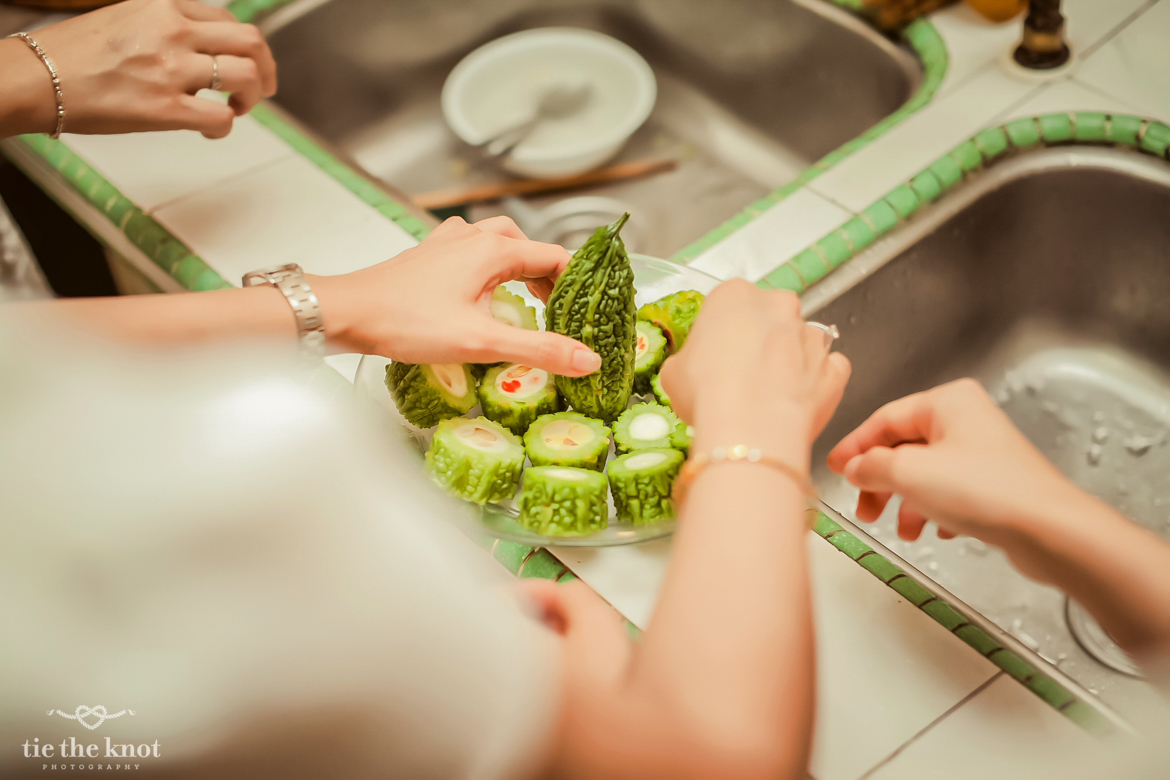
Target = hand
(430,304)
(137,65)
(955,458)
(753,373)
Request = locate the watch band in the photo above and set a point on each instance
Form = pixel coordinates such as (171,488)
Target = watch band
(290,280)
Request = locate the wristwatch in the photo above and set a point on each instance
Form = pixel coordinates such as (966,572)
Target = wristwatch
(290,280)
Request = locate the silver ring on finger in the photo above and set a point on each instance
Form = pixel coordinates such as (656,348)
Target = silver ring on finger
(216,83)
(830,331)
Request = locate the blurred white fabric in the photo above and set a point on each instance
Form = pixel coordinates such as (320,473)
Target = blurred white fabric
(199,537)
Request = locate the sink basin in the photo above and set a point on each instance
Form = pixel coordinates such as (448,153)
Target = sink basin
(1047,279)
(750,93)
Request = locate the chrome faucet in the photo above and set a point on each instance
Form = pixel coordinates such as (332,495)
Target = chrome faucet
(1043,47)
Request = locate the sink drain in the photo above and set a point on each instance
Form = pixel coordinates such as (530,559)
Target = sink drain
(1096,642)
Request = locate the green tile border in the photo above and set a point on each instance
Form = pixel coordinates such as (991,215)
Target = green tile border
(952,619)
(973,155)
(252,11)
(925,41)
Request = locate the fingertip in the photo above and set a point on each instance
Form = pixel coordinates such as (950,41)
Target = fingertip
(585,362)
(849,470)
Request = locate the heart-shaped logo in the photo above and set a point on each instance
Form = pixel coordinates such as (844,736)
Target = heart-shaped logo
(82,712)
(99,713)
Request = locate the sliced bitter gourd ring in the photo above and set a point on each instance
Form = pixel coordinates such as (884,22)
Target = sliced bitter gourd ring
(593,302)
(674,314)
(477,460)
(514,395)
(643,427)
(682,437)
(559,501)
(659,393)
(567,439)
(511,309)
(648,355)
(429,394)
(641,483)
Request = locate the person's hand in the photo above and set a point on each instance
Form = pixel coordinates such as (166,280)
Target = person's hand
(955,458)
(753,373)
(136,65)
(431,304)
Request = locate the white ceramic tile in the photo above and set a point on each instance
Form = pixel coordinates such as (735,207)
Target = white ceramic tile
(762,245)
(1135,65)
(1005,731)
(1068,95)
(885,670)
(152,169)
(894,158)
(287,212)
(973,41)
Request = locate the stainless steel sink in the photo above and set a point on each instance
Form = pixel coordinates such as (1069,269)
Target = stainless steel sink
(750,92)
(1047,278)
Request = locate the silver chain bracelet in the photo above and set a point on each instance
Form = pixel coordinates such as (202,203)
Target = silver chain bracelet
(53,74)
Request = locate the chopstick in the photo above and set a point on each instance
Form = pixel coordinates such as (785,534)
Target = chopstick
(464,196)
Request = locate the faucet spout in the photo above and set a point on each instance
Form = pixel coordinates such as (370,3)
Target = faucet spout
(1043,46)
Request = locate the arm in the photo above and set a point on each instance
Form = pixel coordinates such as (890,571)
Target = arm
(429,304)
(722,683)
(956,458)
(136,66)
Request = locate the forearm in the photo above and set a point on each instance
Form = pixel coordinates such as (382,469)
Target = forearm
(27,101)
(181,318)
(1118,570)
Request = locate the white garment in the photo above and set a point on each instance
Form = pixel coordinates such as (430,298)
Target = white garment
(200,538)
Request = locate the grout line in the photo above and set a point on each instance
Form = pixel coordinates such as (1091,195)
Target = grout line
(230,178)
(1089,87)
(1116,30)
(1001,118)
(932,724)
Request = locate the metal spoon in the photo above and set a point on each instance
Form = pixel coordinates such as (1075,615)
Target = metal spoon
(556,102)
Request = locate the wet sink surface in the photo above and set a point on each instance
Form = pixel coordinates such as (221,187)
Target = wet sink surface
(1047,279)
(750,92)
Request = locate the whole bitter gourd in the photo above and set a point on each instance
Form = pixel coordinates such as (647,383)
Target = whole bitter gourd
(593,302)
(428,394)
(477,460)
(674,314)
(557,501)
(641,483)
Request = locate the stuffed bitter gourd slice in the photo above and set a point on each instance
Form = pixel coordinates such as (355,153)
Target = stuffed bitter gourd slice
(514,395)
(643,427)
(641,483)
(659,393)
(674,314)
(477,460)
(649,352)
(557,501)
(593,302)
(567,439)
(429,394)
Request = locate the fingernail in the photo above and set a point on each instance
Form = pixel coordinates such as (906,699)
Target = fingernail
(585,361)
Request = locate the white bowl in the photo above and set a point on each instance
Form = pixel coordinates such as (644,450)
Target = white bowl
(498,86)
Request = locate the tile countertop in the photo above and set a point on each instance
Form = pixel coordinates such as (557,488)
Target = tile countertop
(898,695)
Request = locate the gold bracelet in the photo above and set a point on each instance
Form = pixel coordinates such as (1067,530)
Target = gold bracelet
(740,453)
(36,47)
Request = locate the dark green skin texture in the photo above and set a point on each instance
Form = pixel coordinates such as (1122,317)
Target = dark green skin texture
(593,302)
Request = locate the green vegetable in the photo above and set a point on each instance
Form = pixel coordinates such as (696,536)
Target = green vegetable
(477,460)
(643,427)
(593,302)
(659,393)
(557,501)
(510,309)
(649,352)
(681,438)
(567,439)
(674,314)
(514,395)
(641,483)
(428,394)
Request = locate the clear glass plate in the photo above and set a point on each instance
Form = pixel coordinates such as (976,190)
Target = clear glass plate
(653,278)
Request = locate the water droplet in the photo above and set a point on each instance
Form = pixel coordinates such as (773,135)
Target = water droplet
(1101,435)
(933,565)
(1002,395)
(1028,641)
(1017,624)
(1098,417)
(975,546)
(1138,445)
(1094,454)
